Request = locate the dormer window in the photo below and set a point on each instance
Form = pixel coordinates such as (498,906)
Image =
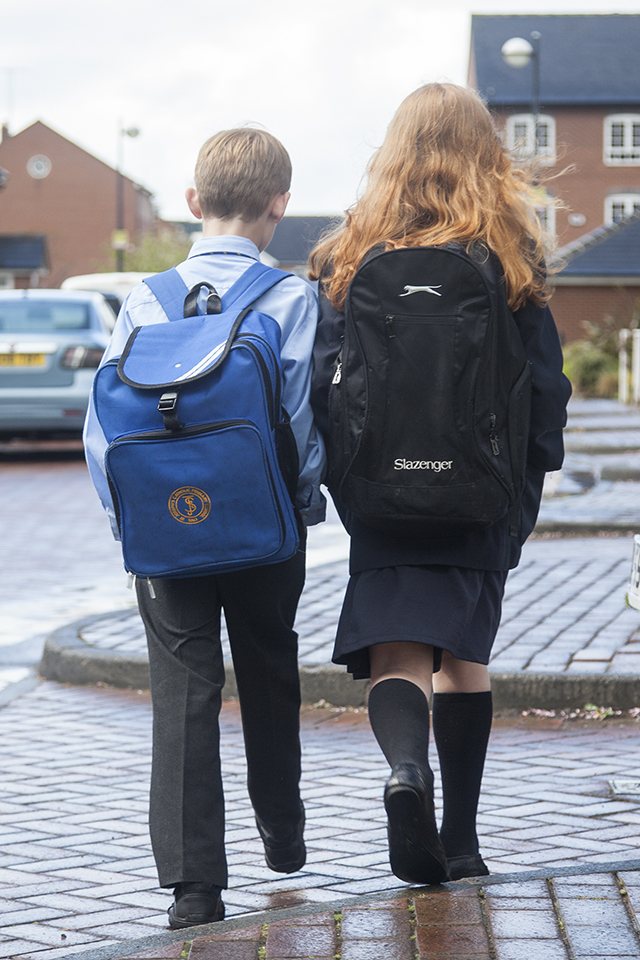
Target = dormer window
(622,140)
(619,206)
(521,137)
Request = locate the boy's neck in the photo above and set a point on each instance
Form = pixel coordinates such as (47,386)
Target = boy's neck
(254,230)
(259,231)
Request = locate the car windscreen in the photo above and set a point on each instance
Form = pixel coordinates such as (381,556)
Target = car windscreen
(42,316)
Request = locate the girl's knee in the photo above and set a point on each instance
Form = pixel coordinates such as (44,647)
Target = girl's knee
(404,661)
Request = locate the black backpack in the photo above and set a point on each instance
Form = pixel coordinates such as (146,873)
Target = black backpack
(429,403)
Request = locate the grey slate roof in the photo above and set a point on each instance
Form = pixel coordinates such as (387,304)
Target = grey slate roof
(583,59)
(23,252)
(296,236)
(605,252)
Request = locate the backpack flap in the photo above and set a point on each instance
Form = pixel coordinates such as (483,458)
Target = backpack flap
(160,354)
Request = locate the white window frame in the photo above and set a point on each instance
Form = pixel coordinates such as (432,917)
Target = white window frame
(547,216)
(626,154)
(523,147)
(626,200)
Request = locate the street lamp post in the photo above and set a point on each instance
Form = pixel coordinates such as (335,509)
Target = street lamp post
(121,237)
(518,52)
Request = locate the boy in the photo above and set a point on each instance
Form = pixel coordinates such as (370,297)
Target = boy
(242,180)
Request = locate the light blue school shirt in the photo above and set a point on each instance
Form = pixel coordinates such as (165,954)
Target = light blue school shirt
(293,305)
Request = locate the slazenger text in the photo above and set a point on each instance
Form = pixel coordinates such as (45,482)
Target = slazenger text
(436,465)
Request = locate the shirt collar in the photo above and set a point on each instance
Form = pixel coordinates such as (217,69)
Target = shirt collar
(233,245)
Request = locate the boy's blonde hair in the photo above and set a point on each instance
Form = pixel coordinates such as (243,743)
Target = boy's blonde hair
(441,175)
(239,172)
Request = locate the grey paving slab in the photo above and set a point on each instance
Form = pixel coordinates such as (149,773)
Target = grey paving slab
(626,419)
(590,406)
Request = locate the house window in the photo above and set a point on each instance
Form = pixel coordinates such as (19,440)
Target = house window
(547,217)
(521,136)
(622,140)
(619,206)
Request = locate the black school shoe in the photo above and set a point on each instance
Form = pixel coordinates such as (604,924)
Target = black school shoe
(469,866)
(284,849)
(415,851)
(195,903)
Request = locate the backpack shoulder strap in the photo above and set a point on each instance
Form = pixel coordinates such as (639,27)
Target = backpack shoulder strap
(170,291)
(252,284)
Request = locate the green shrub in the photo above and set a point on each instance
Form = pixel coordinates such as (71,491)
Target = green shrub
(592,370)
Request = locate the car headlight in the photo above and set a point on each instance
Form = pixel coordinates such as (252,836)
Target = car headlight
(77,357)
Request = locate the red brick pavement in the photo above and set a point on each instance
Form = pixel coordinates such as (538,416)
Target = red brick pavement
(588,917)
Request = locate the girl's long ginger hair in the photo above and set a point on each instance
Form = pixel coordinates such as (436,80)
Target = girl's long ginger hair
(441,175)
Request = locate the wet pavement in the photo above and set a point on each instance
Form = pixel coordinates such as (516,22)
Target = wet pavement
(559,817)
(76,871)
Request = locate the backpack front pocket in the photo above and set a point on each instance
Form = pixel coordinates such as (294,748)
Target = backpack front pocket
(190,494)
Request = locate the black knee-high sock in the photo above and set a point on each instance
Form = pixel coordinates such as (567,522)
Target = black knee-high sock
(399,717)
(461,727)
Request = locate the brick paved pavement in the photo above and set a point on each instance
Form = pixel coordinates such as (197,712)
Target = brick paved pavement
(564,611)
(76,874)
(75,864)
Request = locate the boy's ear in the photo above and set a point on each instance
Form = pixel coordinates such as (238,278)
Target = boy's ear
(279,206)
(193,203)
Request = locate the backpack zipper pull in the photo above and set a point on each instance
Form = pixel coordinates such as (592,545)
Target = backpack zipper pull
(131,579)
(492,435)
(337,377)
(152,592)
(389,324)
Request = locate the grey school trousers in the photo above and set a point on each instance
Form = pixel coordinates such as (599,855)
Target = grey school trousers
(186,815)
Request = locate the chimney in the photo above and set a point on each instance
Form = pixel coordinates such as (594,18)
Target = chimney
(5,133)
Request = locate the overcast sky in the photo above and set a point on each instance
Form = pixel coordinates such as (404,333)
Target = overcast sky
(323,76)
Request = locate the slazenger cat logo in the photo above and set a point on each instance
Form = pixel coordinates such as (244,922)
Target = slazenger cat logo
(189,505)
(435,465)
(408,290)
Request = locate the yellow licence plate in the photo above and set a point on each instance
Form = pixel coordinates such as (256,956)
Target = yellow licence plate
(22,359)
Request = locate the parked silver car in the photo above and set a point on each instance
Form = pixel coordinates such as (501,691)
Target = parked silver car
(51,342)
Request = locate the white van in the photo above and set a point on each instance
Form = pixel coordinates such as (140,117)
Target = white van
(113,286)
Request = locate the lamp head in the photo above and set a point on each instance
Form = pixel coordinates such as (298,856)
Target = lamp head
(517,52)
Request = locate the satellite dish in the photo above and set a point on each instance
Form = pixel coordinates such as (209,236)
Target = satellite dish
(38,166)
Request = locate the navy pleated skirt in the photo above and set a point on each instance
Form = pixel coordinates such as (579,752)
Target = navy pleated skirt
(451,608)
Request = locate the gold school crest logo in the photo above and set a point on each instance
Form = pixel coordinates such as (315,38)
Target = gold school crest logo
(189,505)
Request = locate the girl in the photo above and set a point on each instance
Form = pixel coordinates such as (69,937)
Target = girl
(422,614)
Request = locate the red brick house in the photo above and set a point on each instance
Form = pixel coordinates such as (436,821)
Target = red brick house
(56,190)
(589,122)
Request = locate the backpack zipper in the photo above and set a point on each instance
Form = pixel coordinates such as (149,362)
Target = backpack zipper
(184,432)
(273,397)
(493,437)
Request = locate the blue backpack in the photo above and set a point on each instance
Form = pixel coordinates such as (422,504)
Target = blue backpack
(201,460)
